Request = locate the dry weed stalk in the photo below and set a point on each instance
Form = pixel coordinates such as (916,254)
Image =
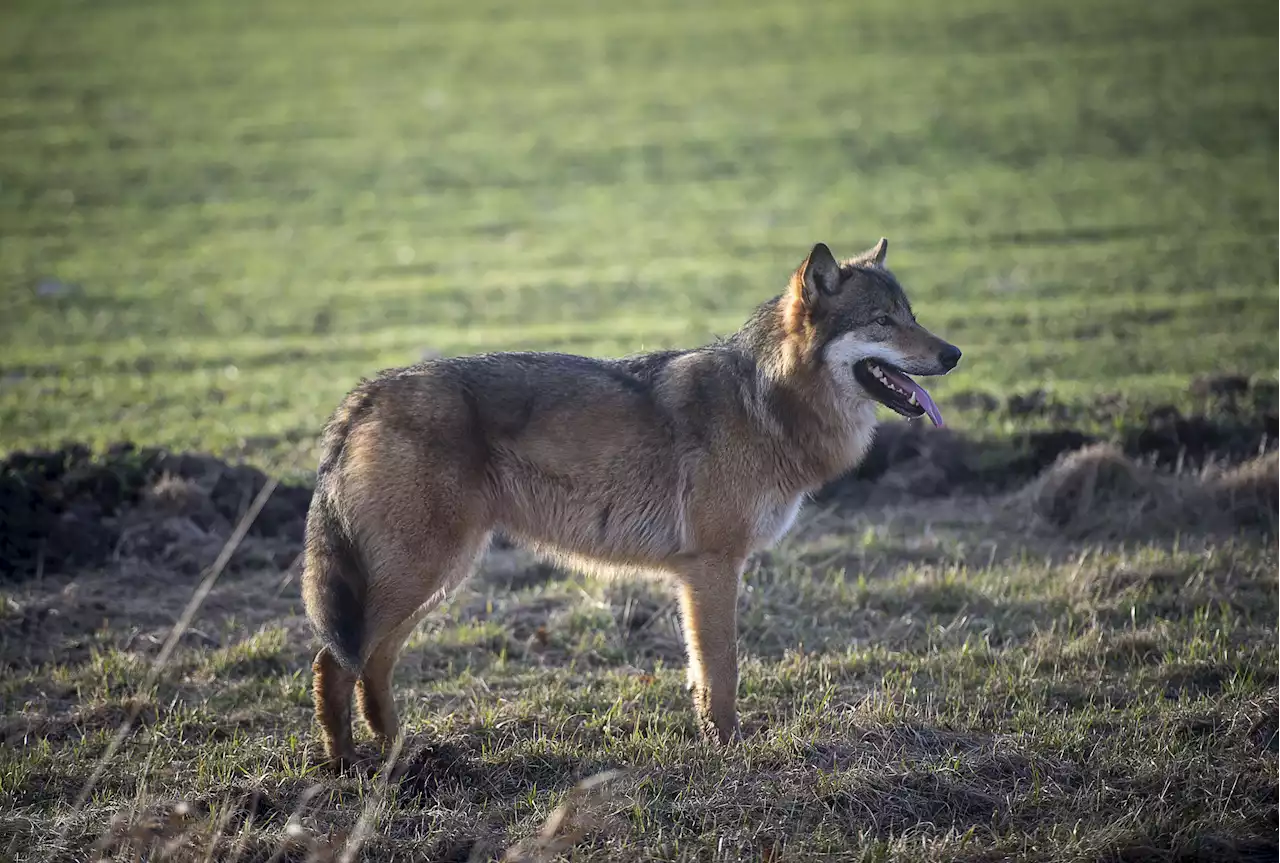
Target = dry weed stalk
(579,814)
(166,651)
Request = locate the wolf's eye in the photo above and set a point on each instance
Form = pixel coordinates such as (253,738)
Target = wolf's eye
(884,320)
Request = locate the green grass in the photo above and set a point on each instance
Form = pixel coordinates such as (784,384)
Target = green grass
(256,207)
(215,217)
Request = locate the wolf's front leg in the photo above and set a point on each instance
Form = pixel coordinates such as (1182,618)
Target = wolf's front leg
(709,602)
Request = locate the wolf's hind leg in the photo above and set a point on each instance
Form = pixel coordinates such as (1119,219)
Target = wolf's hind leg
(332,687)
(373,690)
(398,620)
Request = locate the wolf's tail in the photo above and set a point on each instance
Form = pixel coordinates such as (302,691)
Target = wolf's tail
(334,582)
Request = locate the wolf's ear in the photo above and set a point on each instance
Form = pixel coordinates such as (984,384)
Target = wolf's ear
(873,256)
(819,275)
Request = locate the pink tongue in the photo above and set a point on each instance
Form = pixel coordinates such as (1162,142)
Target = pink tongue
(922,398)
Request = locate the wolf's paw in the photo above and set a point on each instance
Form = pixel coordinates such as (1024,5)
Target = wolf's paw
(725,732)
(353,761)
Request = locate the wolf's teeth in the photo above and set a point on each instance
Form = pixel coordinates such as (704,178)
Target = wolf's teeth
(912,399)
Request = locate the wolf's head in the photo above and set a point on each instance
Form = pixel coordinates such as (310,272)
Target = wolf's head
(854,320)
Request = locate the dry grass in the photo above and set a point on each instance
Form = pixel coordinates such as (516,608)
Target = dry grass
(1099,492)
(933,679)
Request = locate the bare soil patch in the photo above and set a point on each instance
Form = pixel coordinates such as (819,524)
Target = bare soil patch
(71,509)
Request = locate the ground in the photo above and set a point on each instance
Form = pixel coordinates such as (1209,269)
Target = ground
(1049,633)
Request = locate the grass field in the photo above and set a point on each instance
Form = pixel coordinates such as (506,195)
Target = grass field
(215,217)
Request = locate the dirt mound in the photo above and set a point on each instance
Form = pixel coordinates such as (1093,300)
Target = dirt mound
(1170,439)
(70,509)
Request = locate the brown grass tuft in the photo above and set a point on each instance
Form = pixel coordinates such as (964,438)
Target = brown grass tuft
(1098,491)
(583,811)
(1087,489)
(1249,493)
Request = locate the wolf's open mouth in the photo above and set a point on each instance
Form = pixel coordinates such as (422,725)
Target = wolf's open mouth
(892,388)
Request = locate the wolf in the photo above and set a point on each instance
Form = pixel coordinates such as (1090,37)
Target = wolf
(680,463)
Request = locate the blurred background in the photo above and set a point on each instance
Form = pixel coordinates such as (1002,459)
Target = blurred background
(216,216)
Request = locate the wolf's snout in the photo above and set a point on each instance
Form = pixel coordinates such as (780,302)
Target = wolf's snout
(949,357)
